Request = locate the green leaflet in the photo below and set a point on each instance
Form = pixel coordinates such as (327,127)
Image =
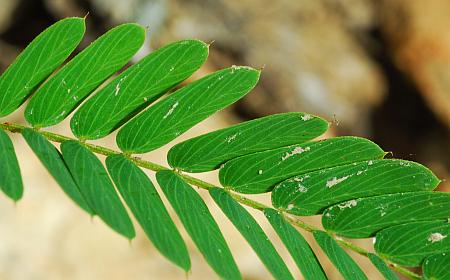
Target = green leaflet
(341,260)
(408,244)
(96,187)
(137,87)
(297,246)
(39,59)
(141,196)
(52,160)
(437,267)
(252,232)
(199,223)
(259,172)
(360,218)
(10,177)
(186,107)
(382,267)
(311,193)
(79,77)
(207,152)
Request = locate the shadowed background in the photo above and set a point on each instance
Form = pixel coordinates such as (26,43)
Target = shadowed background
(377,69)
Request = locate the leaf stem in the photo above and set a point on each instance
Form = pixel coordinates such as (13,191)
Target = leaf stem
(17,128)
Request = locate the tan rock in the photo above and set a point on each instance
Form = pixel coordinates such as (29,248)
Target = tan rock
(419,39)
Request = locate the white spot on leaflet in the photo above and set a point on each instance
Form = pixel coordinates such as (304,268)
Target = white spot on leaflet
(62,113)
(290,206)
(116,92)
(260,172)
(436,237)
(369,162)
(302,188)
(295,151)
(171,110)
(233,67)
(348,204)
(374,240)
(31,111)
(74,97)
(145,99)
(171,69)
(382,210)
(328,215)
(231,138)
(359,173)
(333,182)
(68,90)
(306,117)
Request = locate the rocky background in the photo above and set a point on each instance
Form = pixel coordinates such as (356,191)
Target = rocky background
(374,68)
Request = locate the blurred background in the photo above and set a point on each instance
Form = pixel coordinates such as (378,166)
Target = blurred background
(377,69)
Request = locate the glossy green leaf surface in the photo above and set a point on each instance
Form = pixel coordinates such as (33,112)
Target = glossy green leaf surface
(143,200)
(207,152)
(409,244)
(437,267)
(79,77)
(137,87)
(252,232)
(360,218)
(172,116)
(297,246)
(37,61)
(259,172)
(341,260)
(96,187)
(311,193)
(53,162)
(200,225)
(382,267)
(10,177)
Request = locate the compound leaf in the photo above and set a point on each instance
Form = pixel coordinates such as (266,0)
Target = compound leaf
(184,108)
(10,177)
(141,196)
(79,77)
(297,246)
(341,260)
(252,232)
(259,172)
(137,87)
(360,218)
(382,267)
(310,193)
(39,59)
(207,152)
(96,187)
(408,244)
(53,162)
(437,267)
(199,224)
